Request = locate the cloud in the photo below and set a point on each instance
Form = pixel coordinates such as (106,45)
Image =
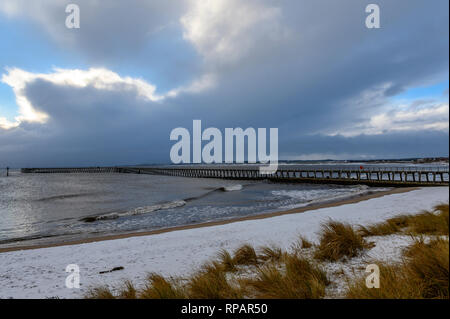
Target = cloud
(225,30)
(310,68)
(116,27)
(95,78)
(392,145)
(434,117)
(384,115)
(6,124)
(205,82)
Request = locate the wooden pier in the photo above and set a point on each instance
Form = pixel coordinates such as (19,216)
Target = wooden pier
(372,176)
(70,170)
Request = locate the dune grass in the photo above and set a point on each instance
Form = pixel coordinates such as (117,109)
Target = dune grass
(100,293)
(300,278)
(270,272)
(428,263)
(226,261)
(339,240)
(245,255)
(435,222)
(277,274)
(301,246)
(270,253)
(424,273)
(128,291)
(158,287)
(304,243)
(211,283)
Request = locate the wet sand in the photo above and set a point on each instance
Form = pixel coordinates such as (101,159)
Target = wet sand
(216,223)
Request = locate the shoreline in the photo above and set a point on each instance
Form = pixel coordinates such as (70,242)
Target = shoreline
(298,210)
(40,273)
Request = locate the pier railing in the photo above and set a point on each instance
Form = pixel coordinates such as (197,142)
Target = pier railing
(373,176)
(70,170)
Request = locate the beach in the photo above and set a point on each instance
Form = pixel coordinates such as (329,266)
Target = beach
(52,209)
(332,203)
(40,272)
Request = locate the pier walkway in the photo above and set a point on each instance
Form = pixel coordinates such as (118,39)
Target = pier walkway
(327,174)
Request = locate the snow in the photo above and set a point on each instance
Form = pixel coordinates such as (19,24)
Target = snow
(387,249)
(40,273)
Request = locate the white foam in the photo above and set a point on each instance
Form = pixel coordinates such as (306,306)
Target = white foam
(307,197)
(232,188)
(143,210)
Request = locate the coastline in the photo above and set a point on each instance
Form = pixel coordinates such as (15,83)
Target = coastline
(335,203)
(40,273)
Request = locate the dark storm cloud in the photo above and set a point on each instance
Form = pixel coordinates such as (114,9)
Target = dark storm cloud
(318,72)
(391,145)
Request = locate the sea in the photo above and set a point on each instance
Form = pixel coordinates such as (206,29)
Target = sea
(40,209)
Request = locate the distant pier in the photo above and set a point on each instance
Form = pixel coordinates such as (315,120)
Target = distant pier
(371,176)
(70,170)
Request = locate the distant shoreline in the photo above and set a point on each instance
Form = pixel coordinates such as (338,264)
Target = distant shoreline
(215,223)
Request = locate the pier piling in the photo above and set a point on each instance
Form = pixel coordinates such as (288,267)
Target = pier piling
(374,176)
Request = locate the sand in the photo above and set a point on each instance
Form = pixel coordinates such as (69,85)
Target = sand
(41,273)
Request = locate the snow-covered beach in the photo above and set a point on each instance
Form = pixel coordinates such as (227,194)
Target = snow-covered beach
(40,273)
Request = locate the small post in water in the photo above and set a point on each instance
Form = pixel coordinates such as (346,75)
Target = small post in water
(7,171)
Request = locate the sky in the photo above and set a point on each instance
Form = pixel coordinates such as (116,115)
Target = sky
(111,91)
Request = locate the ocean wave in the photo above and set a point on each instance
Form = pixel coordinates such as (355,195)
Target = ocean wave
(303,198)
(135,211)
(26,238)
(65,196)
(229,188)
(232,188)
(157,207)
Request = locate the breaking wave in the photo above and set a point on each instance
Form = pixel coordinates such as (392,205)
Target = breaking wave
(303,198)
(231,188)
(56,197)
(157,207)
(135,211)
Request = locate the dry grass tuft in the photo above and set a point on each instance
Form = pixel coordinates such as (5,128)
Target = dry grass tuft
(428,265)
(227,261)
(245,255)
(339,240)
(274,254)
(100,293)
(429,223)
(211,283)
(128,291)
(158,287)
(441,209)
(394,284)
(300,244)
(304,243)
(389,227)
(300,279)
(424,273)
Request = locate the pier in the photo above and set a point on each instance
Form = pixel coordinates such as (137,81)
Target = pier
(70,170)
(371,176)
